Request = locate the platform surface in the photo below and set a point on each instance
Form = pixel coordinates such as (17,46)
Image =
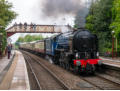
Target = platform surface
(17,76)
(5,61)
(5,64)
(115,62)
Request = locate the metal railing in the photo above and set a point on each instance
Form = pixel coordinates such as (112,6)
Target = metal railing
(109,54)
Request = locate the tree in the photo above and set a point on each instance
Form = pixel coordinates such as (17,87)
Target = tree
(90,19)
(98,22)
(6,16)
(30,38)
(115,25)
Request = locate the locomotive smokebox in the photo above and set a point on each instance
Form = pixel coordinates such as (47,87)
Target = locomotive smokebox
(83,40)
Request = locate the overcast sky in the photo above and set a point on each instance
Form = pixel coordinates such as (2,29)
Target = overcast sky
(30,11)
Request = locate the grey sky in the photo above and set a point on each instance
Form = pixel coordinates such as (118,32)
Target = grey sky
(31,11)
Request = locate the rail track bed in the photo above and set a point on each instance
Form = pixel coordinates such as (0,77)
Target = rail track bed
(112,71)
(45,79)
(66,79)
(102,82)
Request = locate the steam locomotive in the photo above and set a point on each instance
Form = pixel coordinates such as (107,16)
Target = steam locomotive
(77,50)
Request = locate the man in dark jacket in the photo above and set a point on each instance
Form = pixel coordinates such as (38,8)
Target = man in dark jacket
(9,50)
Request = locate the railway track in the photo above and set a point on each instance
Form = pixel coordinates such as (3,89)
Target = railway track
(45,79)
(97,81)
(101,83)
(32,76)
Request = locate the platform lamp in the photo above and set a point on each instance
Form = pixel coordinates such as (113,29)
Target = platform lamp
(116,43)
(116,46)
(113,36)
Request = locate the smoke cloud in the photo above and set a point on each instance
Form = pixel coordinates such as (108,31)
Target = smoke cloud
(56,8)
(80,18)
(60,8)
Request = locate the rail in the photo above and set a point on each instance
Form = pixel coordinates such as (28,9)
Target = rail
(65,87)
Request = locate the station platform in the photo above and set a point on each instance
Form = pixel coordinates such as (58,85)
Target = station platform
(16,77)
(115,62)
(5,64)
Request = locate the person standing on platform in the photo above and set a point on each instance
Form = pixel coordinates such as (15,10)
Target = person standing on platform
(25,26)
(9,50)
(34,27)
(20,26)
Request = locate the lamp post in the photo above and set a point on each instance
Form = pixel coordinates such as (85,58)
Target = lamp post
(116,47)
(113,32)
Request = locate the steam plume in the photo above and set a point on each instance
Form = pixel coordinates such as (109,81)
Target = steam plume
(56,8)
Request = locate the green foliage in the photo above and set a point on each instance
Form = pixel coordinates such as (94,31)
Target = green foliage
(90,24)
(4,40)
(6,16)
(90,19)
(30,38)
(105,44)
(115,25)
(98,22)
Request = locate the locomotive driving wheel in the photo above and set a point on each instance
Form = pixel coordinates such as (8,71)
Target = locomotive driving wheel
(75,70)
(67,67)
(60,63)
(64,61)
(90,69)
(61,60)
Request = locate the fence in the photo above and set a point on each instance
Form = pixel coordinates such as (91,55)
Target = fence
(109,54)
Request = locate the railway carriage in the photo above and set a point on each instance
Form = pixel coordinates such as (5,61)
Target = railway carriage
(39,46)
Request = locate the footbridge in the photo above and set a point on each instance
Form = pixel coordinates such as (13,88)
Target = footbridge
(33,28)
